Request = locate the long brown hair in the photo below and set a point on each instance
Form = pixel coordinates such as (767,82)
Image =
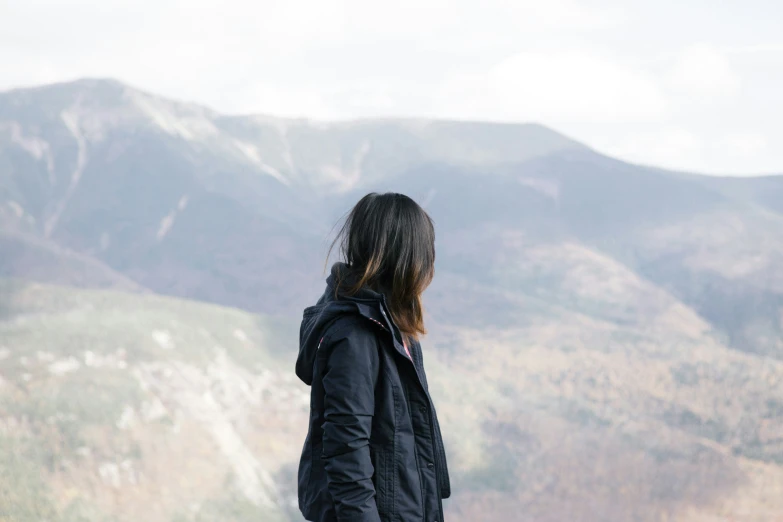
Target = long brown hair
(388,243)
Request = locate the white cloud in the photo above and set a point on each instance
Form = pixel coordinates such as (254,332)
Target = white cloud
(263,98)
(673,147)
(601,70)
(725,151)
(703,73)
(744,145)
(763,48)
(558,87)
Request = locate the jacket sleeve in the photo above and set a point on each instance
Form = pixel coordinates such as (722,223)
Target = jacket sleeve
(349,379)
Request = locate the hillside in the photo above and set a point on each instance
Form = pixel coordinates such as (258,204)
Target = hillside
(606,339)
(118,406)
(126,407)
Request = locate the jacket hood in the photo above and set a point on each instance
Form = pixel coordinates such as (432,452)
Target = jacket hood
(332,306)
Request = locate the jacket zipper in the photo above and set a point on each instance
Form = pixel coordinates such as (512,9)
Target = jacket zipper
(436,449)
(415,450)
(435,444)
(435,454)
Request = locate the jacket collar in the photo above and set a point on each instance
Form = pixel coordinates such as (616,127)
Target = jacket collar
(369,303)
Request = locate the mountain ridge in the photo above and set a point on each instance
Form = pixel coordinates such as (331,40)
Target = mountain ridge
(414,121)
(122,87)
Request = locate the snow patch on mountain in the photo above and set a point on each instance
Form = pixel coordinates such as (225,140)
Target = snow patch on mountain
(71,119)
(188,122)
(252,153)
(35,146)
(168,220)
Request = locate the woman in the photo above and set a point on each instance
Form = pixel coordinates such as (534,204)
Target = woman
(373,451)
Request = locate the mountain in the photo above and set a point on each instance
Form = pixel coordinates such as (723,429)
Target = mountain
(188,202)
(606,339)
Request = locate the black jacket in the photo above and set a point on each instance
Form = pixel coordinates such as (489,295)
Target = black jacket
(374,451)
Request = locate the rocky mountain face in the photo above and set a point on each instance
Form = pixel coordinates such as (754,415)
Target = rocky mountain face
(606,340)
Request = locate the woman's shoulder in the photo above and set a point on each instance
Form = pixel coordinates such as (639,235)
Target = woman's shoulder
(351,327)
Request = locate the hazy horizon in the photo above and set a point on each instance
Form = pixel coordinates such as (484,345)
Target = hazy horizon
(693,88)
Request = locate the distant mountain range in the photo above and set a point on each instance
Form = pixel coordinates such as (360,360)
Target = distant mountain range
(606,339)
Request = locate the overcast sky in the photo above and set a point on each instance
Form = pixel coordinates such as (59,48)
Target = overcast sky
(687,84)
